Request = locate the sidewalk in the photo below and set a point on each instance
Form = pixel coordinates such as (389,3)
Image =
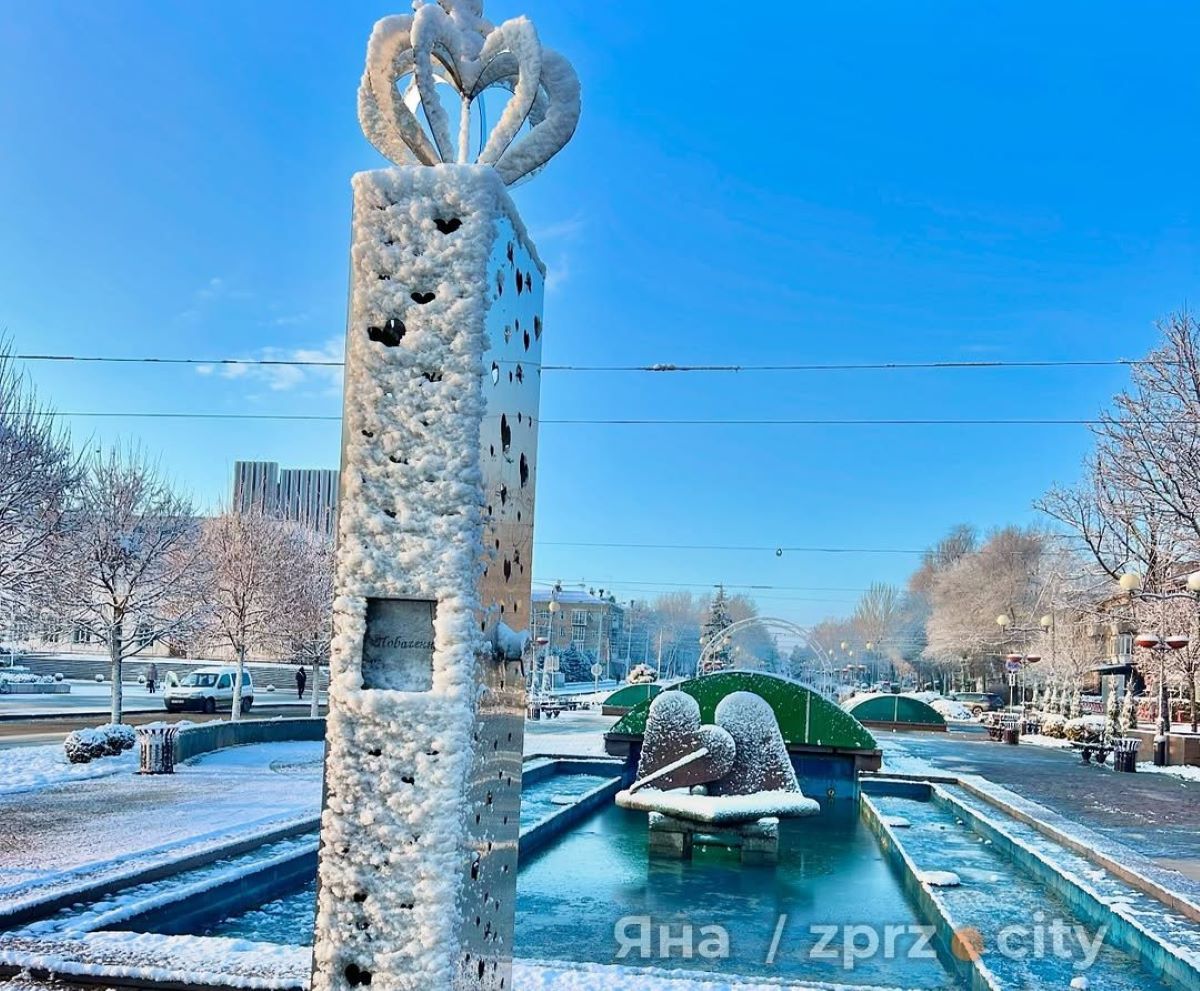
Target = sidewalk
(1155,814)
(62,835)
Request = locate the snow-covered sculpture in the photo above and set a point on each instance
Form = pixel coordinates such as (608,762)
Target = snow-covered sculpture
(449,42)
(419,835)
(737,772)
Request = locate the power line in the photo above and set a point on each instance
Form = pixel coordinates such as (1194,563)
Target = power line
(666,584)
(635,422)
(729,547)
(658,368)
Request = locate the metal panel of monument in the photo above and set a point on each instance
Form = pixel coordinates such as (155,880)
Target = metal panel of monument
(419,833)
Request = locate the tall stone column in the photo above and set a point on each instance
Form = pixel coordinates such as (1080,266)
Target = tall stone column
(421,823)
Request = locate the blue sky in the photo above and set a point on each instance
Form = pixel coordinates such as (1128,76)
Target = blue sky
(845,182)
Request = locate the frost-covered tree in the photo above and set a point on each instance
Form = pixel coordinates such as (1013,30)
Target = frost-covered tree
(1075,708)
(1112,714)
(1008,575)
(1129,715)
(309,627)
(719,656)
(251,592)
(1149,437)
(38,472)
(128,560)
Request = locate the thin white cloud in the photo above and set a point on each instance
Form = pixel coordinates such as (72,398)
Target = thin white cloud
(322,378)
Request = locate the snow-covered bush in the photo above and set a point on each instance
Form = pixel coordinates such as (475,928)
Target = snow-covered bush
(270,688)
(58,676)
(20,678)
(86,745)
(99,679)
(1085,729)
(1054,725)
(952,711)
(141,679)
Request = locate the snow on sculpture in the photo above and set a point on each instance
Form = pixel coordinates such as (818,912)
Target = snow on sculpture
(450,42)
(738,771)
(420,830)
(674,734)
(761,763)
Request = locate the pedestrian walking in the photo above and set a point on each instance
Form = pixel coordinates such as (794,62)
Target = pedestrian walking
(151,677)
(301,681)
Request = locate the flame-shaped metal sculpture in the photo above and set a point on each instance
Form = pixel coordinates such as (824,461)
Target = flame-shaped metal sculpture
(450,42)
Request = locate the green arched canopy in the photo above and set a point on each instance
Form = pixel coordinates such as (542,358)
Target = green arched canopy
(895,709)
(631,695)
(805,717)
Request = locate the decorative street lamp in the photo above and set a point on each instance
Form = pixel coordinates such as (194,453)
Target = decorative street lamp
(1134,585)
(1016,663)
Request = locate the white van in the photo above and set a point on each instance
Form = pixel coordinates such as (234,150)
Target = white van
(209,689)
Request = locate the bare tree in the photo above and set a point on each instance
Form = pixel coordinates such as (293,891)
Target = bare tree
(1007,576)
(309,626)
(37,473)
(1151,433)
(250,588)
(128,559)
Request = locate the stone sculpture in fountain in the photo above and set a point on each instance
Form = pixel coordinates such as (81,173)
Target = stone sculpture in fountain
(730,783)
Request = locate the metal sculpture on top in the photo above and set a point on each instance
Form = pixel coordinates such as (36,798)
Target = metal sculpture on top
(449,42)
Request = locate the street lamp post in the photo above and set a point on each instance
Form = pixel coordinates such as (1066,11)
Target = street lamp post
(1019,661)
(1133,584)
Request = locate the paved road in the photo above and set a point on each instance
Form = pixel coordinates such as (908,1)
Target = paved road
(36,730)
(1156,814)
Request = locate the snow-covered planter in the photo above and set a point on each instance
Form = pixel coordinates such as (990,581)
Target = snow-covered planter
(1085,729)
(25,679)
(86,745)
(1054,726)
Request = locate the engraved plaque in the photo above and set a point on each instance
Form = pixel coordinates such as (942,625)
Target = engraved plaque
(398,649)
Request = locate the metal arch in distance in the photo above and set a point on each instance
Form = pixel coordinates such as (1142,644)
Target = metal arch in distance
(824,663)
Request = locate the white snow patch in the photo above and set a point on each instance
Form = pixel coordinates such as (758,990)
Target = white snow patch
(940,879)
(24,769)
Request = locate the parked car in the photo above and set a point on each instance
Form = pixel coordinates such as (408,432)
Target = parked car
(979,702)
(209,689)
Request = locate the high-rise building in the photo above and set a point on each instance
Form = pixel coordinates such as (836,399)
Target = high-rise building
(308,496)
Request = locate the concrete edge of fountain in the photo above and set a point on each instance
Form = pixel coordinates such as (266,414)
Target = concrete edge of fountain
(1122,861)
(1130,934)
(971,971)
(541,834)
(30,910)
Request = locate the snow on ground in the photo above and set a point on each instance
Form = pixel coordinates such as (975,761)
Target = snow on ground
(27,769)
(571,734)
(1049,742)
(61,836)
(1183,772)
(181,960)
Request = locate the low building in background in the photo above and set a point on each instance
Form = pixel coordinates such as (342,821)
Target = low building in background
(581,631)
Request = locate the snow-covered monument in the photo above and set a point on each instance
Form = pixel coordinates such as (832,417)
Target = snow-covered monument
(729,782)
(419,833)
(826,746)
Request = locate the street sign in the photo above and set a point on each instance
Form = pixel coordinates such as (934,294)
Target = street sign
(551,664)
(1012,666)
(597,670)
(1012,680)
